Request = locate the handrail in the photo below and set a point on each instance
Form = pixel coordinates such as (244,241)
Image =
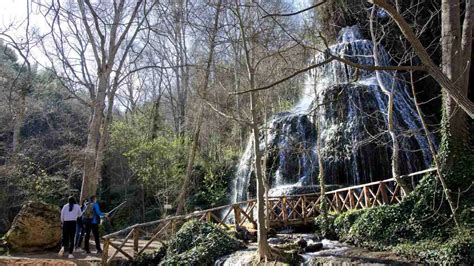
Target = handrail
(382,181)
(207,211)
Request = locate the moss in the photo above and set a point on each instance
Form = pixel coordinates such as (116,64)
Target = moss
(459,249)
(198,243)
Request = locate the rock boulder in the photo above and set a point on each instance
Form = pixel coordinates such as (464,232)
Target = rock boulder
(36,227)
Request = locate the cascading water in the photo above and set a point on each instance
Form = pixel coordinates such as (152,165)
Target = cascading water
(349,108)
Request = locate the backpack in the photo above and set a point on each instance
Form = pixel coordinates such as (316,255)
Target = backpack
(88,214)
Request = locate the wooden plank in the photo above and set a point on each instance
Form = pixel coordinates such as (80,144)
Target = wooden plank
(395,191)
(359,199)
(154,237)
(121,245)
(250,220)
(219,221)
(120,250)
(227,214)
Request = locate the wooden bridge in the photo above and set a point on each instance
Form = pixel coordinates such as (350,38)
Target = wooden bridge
(283,211)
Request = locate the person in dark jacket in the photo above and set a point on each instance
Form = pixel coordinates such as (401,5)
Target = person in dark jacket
(69,214)
(80,228)
(91,217)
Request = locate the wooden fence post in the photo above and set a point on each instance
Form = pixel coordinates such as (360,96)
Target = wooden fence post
(383,191)
(136,237)
(338,202)
(105,255)
(303,209)
(366,197)
(237,217)
(283,209)
(351,199)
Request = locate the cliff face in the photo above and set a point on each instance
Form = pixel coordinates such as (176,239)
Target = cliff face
(346,110)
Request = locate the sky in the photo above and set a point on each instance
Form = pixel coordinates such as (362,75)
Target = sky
(15,11)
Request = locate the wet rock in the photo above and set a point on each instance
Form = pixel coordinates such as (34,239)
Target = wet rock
(302,243)
(313,247)
(277,240)
(244,234)
(36,227)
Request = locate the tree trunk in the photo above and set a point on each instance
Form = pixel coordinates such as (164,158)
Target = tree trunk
(389,92)
(322,184)
(90,179)
(155,124)
(454,123)
(180,208)
(197,130)
(264,250)
(18,122)
(433,152)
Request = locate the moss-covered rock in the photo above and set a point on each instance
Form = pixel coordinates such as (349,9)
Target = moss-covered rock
(198,243)
(36,227)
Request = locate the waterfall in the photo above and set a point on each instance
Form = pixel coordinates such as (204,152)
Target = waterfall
(351,114)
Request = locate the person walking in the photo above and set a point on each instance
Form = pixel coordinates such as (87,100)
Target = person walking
(91,218)
(80,228)
(69,214)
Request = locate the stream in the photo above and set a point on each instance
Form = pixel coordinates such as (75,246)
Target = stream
(332,253)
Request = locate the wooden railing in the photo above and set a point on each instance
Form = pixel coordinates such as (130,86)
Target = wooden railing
(283,211)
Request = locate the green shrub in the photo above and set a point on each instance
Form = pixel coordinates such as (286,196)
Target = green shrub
(344,222)
(420,227)
(153,258)
(324,226)
(198,243)
(459,249)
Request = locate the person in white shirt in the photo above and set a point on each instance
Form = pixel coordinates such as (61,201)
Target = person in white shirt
(69,214)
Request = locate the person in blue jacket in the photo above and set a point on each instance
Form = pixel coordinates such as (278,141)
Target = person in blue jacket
(91,218)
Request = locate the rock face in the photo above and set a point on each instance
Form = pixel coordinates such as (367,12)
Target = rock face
(341,114)
(36,227)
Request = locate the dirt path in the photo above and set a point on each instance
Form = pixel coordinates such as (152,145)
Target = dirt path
(50,258)
(80,258)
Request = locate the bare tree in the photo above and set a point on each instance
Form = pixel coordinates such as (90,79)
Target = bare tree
(23,82)
(264,249)
(101,38)
(202,108)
